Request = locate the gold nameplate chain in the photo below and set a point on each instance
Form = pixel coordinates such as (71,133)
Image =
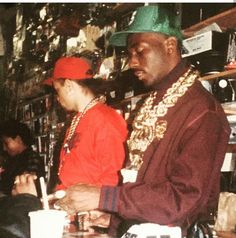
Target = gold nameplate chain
(147,124)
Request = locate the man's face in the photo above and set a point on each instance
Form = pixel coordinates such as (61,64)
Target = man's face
(12,145)
(148,57)
(63,95)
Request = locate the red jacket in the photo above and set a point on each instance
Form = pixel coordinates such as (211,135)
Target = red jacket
(97,149)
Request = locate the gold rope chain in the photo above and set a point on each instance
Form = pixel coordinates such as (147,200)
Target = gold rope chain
(76,119)
(148,125)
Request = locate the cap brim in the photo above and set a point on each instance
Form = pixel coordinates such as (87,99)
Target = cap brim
(119,38)
(48,82)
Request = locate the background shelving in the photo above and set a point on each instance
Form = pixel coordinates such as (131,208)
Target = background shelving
(28,67)
(224,74)
(225,20)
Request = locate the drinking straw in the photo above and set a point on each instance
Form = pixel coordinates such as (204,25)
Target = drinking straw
(44,193)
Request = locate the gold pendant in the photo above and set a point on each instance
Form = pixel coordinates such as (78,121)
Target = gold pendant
(66,148)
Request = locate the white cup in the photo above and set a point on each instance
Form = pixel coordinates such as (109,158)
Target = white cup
(47,223)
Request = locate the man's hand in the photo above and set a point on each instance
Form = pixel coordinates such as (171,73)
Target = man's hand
(100,219)
(80,197)
(25,184)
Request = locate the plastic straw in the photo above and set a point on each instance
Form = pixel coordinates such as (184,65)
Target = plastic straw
(44,193)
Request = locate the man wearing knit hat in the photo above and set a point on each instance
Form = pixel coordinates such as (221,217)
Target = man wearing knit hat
(179,137)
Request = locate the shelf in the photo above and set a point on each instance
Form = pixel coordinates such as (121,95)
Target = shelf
(231,148)
(122,8)
(225,74)
(230,109)
(135,96)
(126,100)
(36,98)
(41,115)
(225,20)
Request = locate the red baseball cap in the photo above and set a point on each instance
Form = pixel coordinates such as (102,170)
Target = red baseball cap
(70,68)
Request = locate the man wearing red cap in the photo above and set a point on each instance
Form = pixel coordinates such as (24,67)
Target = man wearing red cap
(93,150)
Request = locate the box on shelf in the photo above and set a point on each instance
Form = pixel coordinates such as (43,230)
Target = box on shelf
(211,40)
(209,52)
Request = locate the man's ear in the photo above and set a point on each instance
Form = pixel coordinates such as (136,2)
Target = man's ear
(171,44)
(68,85)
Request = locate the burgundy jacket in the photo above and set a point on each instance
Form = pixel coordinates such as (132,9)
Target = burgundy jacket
(180,176)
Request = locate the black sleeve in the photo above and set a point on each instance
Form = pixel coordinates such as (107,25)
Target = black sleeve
(14,218)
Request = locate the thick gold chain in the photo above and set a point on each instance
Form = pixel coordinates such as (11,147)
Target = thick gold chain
(148,124)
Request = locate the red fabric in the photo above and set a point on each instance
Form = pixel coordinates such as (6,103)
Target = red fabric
(98,151)
(179,179)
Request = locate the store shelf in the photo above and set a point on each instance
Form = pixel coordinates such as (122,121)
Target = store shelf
(230,109)
(124,101)
(224,74)
(122,8)
(225,20)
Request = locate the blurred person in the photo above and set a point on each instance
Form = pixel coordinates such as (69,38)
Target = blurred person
(179,137)
(93,149)
(14,209)
(20,158)
(25,187)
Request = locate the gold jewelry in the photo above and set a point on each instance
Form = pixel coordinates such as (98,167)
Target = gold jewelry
(75,121)
(148,125)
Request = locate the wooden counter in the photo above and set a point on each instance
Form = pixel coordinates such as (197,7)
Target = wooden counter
(231,148)
(84,235)
(72,232)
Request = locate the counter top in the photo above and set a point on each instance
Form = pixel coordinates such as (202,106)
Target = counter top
(222,234)
(84,235)
(72,232)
